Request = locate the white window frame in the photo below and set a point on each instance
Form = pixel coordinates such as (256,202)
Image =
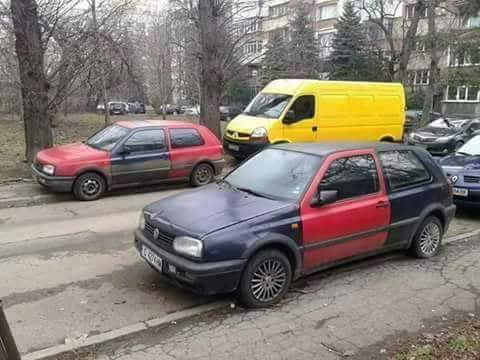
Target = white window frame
(278,10)
(457,96)
(418,77)
(253,47)
(473,19)
(410,14)
(328,6)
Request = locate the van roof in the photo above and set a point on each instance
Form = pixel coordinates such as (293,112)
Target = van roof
(324,149)
(292,86)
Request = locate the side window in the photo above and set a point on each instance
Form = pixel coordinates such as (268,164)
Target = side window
(146,140)
(351,177)
(475,126)
(403,168)
(181,138)
(304,107)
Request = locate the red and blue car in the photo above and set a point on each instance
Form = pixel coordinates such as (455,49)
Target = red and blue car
(131,153)
(293,209)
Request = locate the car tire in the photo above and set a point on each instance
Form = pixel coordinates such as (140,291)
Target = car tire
(428,239)
(89,186)
(266,279)
(202,174)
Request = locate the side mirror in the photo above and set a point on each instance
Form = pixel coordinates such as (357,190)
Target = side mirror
(289,117)
(324,197)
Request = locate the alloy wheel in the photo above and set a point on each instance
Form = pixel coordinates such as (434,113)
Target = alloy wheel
(268,280)
(430,238)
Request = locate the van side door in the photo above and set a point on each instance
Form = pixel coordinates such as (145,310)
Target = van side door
(299,125)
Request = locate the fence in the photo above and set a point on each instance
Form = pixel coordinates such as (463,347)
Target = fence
(8,348)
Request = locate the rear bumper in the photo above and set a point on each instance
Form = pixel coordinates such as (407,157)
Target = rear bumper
(241,150)
(55,183)
(218,166)
(206,278)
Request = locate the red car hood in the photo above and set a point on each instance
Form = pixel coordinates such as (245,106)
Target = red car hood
(70,153)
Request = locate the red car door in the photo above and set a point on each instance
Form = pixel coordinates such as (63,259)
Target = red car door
(188,147)
(357,222)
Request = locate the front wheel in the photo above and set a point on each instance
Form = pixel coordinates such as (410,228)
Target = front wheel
(89,186)
(202,174)
(428,238)
(266,279)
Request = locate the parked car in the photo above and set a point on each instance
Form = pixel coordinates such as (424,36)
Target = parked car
(117,108)
(131,154)
(302,110)
(192,111)
(170,109)
(136,107)
(444,136)
(463,170)
(293,209)
(227,113)
(414,117)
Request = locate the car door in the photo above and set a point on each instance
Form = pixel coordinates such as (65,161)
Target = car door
(142,158)
(303,126)
(354,224)
(187,149)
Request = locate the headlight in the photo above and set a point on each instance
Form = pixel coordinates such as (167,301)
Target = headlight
(188,246)
(48,169)
(259,132)
(443,139)
(141,221)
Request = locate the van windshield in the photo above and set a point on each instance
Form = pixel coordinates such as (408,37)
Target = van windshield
(268,105)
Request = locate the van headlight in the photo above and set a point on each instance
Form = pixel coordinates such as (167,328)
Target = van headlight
(141,221)
(48,169)
(188,246)
(259,132)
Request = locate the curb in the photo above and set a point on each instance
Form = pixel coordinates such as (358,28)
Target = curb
(29,201)
(124,331)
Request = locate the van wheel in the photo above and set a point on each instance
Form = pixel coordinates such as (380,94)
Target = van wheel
(89,186)
(202,174)
(428,238)
(266,279)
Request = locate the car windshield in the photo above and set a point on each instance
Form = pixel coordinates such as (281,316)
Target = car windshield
(276,174)
(107,138)
(451,124)
(471,148)
(268,105)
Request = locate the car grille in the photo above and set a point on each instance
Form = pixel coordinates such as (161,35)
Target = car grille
(164,240)
(239,135)
(471,179)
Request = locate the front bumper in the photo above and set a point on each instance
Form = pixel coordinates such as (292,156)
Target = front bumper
(206,278)
(470,201)
(242,149)
(55,183)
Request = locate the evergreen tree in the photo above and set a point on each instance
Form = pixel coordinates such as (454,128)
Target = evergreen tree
(303,52)
(275,59)
(348,61)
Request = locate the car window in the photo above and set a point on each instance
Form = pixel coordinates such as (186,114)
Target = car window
(351,176)
(402,168)
(181,138)
(304,107)
(146,140)
(107,138)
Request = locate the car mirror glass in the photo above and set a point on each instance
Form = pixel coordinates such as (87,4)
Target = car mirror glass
(324,197)
(289,117)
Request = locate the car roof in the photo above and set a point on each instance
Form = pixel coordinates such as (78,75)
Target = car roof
(324,149)
(133,124)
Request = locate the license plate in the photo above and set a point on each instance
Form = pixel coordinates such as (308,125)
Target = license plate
(460,192)
(152,258)
(233,147)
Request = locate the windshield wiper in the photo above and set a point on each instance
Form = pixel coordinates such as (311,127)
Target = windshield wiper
(254,193)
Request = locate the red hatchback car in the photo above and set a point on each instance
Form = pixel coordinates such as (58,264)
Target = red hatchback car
(131,153)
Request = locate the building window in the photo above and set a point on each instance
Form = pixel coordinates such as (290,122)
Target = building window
(279,10)
(472,22)
(328,12)
(463,56)
(250,26)
(252,47)
(420,46)
(410,11)
(419,77)
(463,93)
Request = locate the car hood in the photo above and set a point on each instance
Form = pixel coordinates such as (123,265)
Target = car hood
(461,161)
(431,131)
(208,209)
(69,153)
(246,124)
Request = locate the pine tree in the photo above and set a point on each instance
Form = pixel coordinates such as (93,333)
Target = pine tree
(274,62)
(348,60)
(303,52)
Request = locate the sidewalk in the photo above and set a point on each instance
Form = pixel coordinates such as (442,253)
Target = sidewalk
(27,194)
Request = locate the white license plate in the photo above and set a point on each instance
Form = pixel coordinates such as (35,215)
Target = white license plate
(233,147)
(152,258)
(460,192)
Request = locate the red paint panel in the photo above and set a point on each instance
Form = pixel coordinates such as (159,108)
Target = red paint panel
(72,159)
(344,218)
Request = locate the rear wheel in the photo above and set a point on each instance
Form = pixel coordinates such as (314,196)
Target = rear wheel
(266,279)
(202,174)
(428,238)
(89,186)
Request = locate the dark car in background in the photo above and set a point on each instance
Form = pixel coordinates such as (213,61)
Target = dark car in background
(463,170)
(293,209)
(227,113)
(444,136)
(413,119)
(136,107)
(117,108)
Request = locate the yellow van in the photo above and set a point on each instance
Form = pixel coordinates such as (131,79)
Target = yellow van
(296,110)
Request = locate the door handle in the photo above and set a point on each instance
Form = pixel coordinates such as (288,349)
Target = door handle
(382,205)
(314,128)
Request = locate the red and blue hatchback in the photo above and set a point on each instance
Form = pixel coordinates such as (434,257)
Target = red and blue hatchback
(293,209)
(131,153)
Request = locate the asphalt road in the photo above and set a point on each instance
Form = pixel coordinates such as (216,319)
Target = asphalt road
(69,270)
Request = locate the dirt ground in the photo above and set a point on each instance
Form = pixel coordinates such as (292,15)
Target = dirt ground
(73,128)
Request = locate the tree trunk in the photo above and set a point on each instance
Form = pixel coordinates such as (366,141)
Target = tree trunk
(29,49)
(211,72)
